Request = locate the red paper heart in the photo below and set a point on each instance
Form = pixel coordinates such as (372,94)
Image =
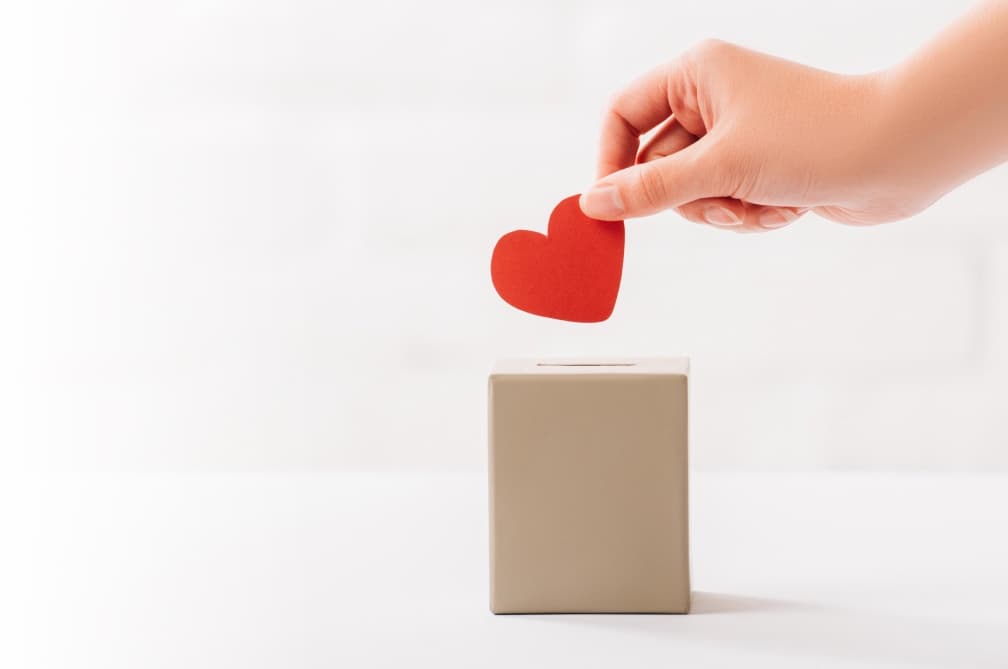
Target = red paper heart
(572,273)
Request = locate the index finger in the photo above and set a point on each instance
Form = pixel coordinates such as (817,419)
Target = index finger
(632,112)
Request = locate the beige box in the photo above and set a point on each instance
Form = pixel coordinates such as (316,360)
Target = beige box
(588,486)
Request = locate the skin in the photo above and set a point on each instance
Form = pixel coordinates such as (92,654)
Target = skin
(749,142)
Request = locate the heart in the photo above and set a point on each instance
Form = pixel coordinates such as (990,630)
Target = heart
(572,273)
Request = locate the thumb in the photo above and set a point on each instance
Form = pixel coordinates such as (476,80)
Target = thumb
(640,190)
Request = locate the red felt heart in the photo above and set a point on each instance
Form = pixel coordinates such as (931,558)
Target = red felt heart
(572,273)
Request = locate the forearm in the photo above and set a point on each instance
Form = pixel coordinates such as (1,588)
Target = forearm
(945,110)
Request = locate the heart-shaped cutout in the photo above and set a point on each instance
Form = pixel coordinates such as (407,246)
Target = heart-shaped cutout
(572,273)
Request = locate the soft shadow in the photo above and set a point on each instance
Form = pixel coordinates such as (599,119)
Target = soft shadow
(705,603)
(805,629)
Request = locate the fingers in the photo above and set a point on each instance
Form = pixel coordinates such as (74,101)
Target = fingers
(640,107)
(647,188)
(722,212)
(671,137)
(678,170)
(693,163)
(738,216)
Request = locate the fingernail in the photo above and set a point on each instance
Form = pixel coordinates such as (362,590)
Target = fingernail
(720,216)
(603,201)
(774,218)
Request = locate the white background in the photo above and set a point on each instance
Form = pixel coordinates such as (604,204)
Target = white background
(241,235)
(247,236)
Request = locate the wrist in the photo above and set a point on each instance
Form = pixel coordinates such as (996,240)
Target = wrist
(944,108)
(905,161)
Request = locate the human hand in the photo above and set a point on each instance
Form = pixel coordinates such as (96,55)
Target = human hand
(750,142)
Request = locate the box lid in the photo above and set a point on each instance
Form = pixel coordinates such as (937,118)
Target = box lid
(614,365)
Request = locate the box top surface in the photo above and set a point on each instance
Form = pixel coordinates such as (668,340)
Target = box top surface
(591,365)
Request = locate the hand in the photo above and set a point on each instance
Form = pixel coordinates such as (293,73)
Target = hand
(750,142)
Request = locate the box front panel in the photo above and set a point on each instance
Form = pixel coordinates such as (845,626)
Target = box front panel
(588,493)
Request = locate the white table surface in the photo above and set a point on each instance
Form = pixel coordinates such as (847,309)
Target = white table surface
(379,570)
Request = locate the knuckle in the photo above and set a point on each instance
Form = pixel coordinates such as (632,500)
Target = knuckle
(711,47)
(616,103)
(652,187)
(711,51)
(615,109)
(612,103)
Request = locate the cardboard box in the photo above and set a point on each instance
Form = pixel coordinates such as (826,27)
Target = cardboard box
(588,486)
